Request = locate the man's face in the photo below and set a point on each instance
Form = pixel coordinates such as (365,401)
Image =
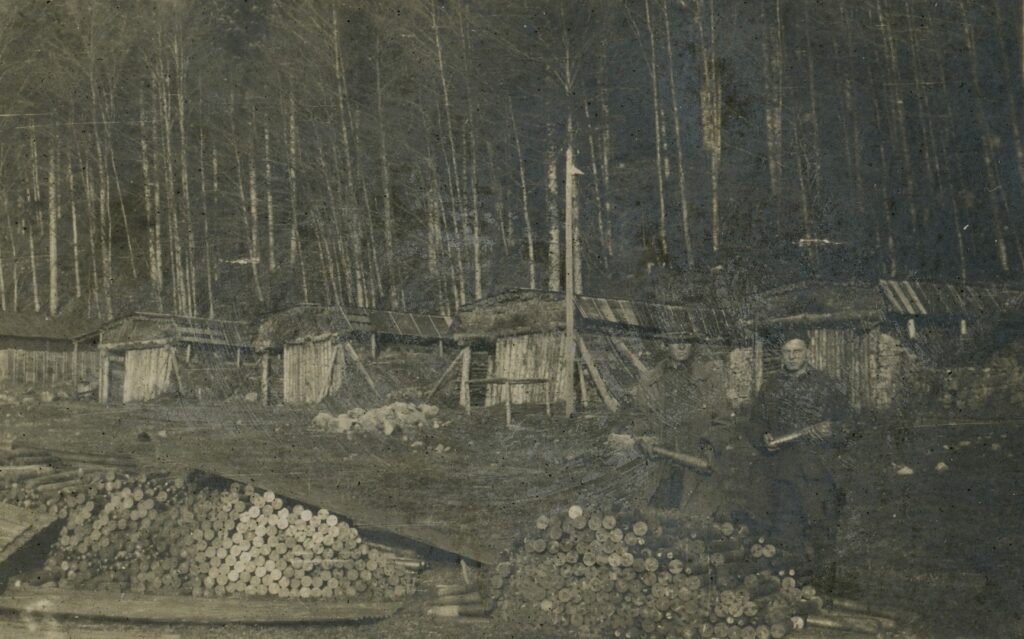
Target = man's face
(794,355)
(680,351)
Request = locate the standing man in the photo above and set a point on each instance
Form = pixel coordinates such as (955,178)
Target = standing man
(800,423)
(684,397)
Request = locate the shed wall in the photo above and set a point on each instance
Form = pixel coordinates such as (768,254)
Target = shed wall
(148,373)
(47,368)
(312,371)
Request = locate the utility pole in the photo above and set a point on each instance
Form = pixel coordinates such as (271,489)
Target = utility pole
(570,280)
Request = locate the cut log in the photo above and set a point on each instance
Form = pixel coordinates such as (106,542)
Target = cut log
(131,607)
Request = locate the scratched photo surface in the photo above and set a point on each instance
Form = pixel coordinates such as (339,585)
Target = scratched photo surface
(693,319)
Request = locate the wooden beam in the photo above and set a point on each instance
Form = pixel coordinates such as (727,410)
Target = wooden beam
(359,364)
(104,382)
(122,607)
(595,374)
(445,376)
(630,355)
(464,398)
(265,378)
(373,346)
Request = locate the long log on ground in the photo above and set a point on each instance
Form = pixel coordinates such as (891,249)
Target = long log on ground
(54,630)
(131,607)
(87,458)
(24,472)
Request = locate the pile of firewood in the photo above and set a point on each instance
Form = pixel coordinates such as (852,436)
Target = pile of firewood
(653,575)
(156,534)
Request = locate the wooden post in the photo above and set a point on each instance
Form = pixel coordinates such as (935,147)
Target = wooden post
(265,377)
(373,346)
(74,369)
(570,283)
(464,397)
(583,385)
(104,382)
(440,347)
(547,398)
(595,374)
(911,328)
(188,353)
(508,404)
(238,358)
(963,328)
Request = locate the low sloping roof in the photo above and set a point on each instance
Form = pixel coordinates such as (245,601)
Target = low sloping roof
(142,328)
(308,320)
(409,324)
(522,311)
(905,297)
(39,326)
(812,302)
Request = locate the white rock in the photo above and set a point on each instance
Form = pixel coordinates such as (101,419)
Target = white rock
(941,467)
(323,421)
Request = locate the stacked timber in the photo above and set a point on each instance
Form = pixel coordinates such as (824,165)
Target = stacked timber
(651,575)
(154,534)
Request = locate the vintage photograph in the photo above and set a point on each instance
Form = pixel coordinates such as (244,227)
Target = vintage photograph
(511,319)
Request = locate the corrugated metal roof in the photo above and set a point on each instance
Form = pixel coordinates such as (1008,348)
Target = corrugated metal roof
(409,324)
(905,297)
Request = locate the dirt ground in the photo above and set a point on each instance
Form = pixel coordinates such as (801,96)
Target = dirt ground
(944,542)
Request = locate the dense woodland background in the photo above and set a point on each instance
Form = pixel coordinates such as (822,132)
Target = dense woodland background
(225,158)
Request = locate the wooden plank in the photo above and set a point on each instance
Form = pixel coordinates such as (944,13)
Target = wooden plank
(602,388)
(131,607)
(445,376)
(359,364)
(464,399)
(52,629)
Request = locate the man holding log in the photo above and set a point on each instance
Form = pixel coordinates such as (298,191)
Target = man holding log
(686,406)
(800,423)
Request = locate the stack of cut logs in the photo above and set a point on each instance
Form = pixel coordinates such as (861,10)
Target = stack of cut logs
(629,575)
(155,534)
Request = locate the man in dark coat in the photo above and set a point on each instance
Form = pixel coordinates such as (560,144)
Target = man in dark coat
(806,499)
(684,397)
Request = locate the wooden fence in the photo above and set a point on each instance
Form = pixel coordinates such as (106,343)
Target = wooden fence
(47,369)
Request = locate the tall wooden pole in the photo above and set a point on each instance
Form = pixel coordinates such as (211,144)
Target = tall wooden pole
(570,280)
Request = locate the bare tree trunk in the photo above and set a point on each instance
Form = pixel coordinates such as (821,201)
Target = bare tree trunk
(677,127)
(186,204)
(389,231)
(254,225)
(773,104)
(3,278)
(652,70)
(36,306)
(295,245)
(74,227)
(271,259)
(710,106)
(527,225)
(606,145)
(210,311)
(15,285)
(991,174)
(54,217)
(899,119)
(554,222)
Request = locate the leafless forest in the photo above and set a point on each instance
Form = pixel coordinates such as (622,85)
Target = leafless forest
(220,159)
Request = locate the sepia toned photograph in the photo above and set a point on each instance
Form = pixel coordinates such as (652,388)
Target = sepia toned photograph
(511,319)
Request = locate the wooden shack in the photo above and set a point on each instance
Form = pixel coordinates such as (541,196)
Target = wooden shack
(513,346)
(38,353)
(883,340)
(309,352)
(145,356)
